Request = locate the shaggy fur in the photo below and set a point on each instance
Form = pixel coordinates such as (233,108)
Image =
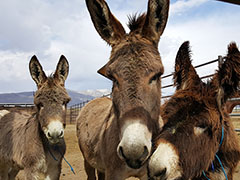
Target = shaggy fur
(23,144)
(199,105)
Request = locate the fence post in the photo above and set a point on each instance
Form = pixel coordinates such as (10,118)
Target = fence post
(220,61)
(70,114)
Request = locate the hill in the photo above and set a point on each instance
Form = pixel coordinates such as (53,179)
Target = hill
(27,97)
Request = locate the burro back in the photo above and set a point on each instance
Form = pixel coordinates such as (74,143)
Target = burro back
(198,135)
(120,134)
(34,142)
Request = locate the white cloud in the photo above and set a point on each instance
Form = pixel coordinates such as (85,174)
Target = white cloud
(13,75)
(184,5)
(50,28)
(209,38)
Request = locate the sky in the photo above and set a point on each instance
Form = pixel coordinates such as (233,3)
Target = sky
(50,28)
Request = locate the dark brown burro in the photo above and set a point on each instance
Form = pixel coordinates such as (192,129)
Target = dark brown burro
(115,135)
(34,142)
(198,135)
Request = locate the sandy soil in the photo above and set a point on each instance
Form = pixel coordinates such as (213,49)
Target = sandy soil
(74,156)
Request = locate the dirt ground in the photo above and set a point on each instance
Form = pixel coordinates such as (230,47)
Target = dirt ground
(74,156)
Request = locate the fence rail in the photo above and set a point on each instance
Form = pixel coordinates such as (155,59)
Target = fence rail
(219,60)
(16,105)
(74,110)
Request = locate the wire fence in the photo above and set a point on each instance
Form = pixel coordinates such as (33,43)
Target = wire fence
(219,60)
(23,105)
(75,109)
(17,106)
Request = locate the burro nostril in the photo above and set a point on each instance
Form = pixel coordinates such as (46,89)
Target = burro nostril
(145,154)
(120,152)
(161,173)
(55,135)
(135,155)
(48,134)
(60,134)
(133,162)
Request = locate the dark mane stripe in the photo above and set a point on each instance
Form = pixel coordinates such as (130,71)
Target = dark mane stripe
(136,21)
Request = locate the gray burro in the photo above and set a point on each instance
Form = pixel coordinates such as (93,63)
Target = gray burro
(34,142)
(115,135)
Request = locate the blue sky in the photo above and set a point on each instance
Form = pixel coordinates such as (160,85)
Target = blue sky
(49,28)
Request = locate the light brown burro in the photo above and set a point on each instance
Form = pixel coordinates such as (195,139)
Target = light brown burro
(115,135)
(34,142)
(196,127)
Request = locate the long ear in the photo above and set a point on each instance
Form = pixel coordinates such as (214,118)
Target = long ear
(156,19)
(227,78)
(185,75)
(36,71)
(108,27)
(62,70)
(103,71)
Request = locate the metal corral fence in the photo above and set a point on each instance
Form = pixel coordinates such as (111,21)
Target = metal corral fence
(17,106)
(74,109)
(220,61)
(23,105)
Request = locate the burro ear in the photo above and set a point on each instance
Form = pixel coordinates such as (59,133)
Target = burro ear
(62,70)
(156,19)
(108,27)
(36,71)
(185,75)
(226,80)
(103,71)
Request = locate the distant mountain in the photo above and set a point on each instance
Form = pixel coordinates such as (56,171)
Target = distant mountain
(77,97)
(96,93)
(27,97)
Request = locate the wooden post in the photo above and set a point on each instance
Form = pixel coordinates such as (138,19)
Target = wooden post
(220,61)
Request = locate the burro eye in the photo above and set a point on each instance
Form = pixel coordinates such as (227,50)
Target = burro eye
(114,80)
(66,101)
(40,105)
(198,130)
(156,77)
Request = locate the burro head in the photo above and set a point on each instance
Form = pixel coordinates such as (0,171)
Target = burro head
(51,98)
(193,118)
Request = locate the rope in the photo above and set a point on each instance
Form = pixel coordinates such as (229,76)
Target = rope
(204,174)
(62,157)
(213,166)
(222,136)
(221,166)
(52,154)
(66,162)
